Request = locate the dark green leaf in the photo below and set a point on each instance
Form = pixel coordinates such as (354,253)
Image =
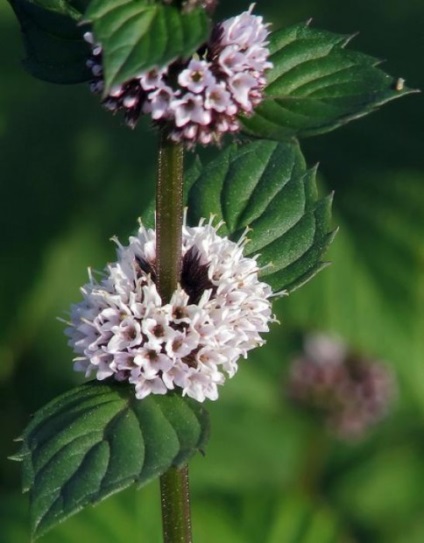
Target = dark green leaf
(69,8)
(54,46)
(139,35)
(98,439)
(266,187)
(316,85)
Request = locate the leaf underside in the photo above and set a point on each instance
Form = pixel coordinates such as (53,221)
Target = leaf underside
(139,35)
(98,439)
(266,187)
(54,46)
(316,85)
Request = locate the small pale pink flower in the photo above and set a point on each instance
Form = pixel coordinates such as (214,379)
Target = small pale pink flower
(196,76)
(217,98)
(190,108)
(152,79)
(158,104)
(241,84)
(231,60)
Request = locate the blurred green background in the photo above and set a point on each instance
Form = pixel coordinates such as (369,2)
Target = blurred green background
(72,176)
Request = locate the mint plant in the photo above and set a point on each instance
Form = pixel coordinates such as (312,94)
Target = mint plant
(164,326)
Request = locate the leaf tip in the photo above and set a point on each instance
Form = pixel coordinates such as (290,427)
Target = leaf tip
(17,457)
(400,87)
(314,168)
(350,37)
(332,234)
(21,453)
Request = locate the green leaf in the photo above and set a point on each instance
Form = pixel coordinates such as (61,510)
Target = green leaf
(265,186)
(54,46)
(98,439)
(69,8)
(137,35)
(316,85)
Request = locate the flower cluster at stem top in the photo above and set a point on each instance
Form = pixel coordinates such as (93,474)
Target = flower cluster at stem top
(121,328)
(198,100)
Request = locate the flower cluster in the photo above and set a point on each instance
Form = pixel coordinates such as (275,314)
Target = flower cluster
(351,391)
(199,100)
(122,329)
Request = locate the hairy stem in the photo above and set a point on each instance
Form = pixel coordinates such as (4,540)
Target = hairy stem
(169,216)
(175,499)
(174,486)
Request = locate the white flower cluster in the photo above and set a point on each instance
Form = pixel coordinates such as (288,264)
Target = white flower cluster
(122,330)
(203,97)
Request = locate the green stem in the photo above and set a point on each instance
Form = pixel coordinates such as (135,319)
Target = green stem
(174,486)
(175,499)
(169,216)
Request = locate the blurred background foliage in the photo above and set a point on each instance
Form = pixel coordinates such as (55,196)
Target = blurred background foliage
(72,176)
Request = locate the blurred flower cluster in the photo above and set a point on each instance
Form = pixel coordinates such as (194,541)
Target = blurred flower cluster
(352,392)
(199,100)
(122,329)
